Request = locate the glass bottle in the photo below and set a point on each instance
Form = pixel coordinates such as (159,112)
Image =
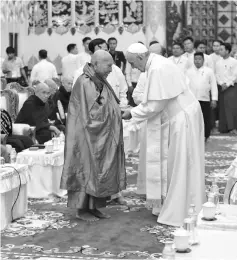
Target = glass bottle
(215,191)
(168,252)
(192,213)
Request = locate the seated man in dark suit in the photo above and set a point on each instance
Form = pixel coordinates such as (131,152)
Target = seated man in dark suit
(61,100)
(35,113)
(118,56)
(19,142)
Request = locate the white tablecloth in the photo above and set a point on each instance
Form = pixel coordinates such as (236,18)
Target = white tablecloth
(45,170)
(226,220)
(214,245)
(217,238)
(231,185)
(9,188)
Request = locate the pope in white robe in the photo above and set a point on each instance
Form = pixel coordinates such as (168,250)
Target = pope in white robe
(174,156)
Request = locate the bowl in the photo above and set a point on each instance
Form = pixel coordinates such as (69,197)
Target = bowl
(181,239)
(209,210)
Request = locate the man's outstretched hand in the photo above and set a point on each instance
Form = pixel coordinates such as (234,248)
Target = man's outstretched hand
(126,115)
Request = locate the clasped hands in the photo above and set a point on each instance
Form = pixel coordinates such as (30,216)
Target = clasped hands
(126,114)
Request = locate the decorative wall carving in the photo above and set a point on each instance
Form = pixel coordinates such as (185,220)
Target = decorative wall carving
(227,21)
(133,15)
(109,15)
(202,20)
(156,15)
(61,16)
(85,15)
(38,16)
(173,22)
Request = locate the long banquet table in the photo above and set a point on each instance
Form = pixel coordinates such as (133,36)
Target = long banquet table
(45,170)
(13,190)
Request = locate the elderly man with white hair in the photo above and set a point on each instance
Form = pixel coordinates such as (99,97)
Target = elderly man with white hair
(60,103)
(34,112)
(174,138)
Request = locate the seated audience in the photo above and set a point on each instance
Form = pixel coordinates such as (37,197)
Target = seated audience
(61,100)
(19,142)
(53,87)
(35,113)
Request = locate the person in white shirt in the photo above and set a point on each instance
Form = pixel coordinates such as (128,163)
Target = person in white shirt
(200,46)
(178,58)
(70,62)
(85,56)
(13,67)
(226,76)
(215,57)
(188,43)
(43,69)
(202,81)
(116,78)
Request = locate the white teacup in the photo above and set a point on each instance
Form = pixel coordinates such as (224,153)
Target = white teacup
(181,239)
(49,148)
(209,210)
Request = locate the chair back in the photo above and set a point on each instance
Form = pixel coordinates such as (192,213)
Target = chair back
(23,93)
(9,102)
(3,84)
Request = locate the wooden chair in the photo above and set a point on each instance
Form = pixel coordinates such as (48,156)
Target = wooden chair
(3,83)
(23,93)
(10,102)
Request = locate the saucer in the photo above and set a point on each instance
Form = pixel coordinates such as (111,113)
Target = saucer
(209,219)
(188,250)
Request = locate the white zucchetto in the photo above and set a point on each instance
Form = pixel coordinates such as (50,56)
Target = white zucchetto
(137,48)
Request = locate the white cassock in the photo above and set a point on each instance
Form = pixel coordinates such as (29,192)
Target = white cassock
(174,148)
(137,96)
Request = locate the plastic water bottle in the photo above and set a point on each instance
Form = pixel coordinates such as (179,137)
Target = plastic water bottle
(215,191)
(13,156)
(168,251)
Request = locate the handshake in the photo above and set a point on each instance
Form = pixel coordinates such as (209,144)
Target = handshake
(126,114)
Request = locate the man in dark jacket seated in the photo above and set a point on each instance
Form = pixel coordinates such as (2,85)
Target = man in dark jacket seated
(61,100)
(35,113)
(19,142)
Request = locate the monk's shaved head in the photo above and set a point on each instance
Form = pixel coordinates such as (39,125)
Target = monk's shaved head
(67,83)
(156,48)
(101,56)
(102,62)
(42,91)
